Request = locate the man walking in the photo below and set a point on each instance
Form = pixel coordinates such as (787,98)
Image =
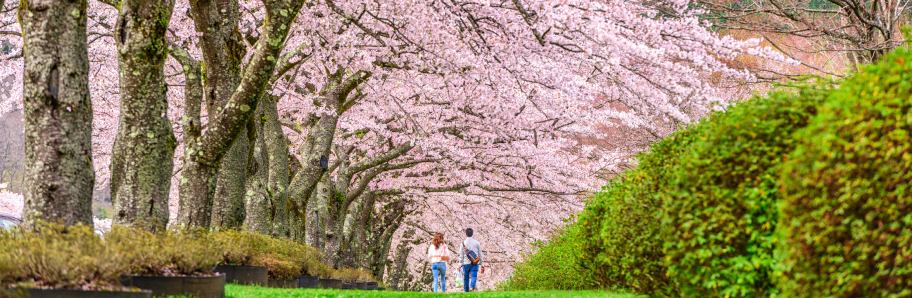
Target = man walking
(470,256)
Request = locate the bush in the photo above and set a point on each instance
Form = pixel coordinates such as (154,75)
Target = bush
(847,213)
(555,265)
(169,253)
(623,249)
(719,211)
(54,256)
(352,275)
(284,258)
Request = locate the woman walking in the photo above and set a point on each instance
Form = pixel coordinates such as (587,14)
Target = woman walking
(439,254)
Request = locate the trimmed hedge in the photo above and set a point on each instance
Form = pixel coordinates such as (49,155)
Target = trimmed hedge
(796,194)
(555,265)
(719,211)
(623,248)
(847,212)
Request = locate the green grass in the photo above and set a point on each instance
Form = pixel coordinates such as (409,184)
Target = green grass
(238,291)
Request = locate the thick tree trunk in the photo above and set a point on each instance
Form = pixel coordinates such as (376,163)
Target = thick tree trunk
(230,186)
(58,112)
(266,196)
(258,209)
(192,126)
(317,146)
(226,125)
(319,218)
(144,147)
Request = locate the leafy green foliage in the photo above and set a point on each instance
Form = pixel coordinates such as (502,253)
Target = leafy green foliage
(555,265)
(847,212)
(623,247)
(719,211)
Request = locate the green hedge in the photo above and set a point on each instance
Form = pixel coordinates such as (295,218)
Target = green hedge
(848,210)
(719,209)
(623,248)
(805,193)
(555,265)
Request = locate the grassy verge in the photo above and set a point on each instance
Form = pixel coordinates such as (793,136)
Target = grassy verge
(238,291)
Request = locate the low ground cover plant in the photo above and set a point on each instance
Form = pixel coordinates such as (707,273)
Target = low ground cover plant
(168,253)
(53,256)
(352,275)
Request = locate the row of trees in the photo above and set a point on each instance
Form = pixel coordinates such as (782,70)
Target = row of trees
(331,122)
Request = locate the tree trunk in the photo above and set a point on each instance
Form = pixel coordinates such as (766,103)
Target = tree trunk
(143,153)
(230,186)
(319,217)
(266,196)
(321,135)
(58,112)
(225,126)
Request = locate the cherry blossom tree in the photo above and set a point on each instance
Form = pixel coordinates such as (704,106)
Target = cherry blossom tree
(338,123)
(819,31)
(58,112)
(143,151)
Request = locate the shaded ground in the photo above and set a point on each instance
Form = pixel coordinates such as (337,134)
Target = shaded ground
(237,291)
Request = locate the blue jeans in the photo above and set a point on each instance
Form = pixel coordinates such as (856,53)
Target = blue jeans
(469,274)
(439,270)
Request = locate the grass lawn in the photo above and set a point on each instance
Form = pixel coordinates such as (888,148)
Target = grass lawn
(238,291)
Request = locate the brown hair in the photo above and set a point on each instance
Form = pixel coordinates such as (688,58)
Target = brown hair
(438,240)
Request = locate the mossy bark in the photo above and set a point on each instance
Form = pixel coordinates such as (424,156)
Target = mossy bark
(143,153)
(225,126)
(266,190)
(192,127)
(230,186)
(321,133)
(58,112)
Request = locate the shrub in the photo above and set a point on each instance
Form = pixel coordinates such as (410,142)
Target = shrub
(847,212)
(352,275)
(284,258)
(555,265)
(623,249)
(167,253)
(53,256)
(719,211)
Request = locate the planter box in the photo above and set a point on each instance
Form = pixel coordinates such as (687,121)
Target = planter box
(194,286)
(370,285)
(328,283)
(245,275)
(67,293)
(304,281)
(309,282)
